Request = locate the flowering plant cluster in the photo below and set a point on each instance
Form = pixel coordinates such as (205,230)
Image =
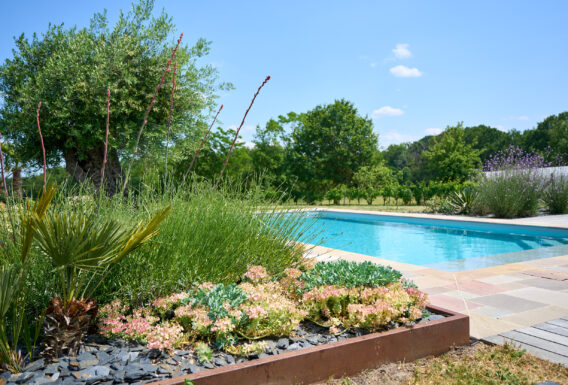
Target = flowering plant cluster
(262,306)
(512,185)
(140,325)
(370,308)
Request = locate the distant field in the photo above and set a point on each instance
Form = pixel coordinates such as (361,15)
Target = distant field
(356,206)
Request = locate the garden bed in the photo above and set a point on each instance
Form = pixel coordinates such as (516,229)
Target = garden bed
(343,357)
(311,355)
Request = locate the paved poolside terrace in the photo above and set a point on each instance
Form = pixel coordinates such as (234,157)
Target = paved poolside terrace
(526,301)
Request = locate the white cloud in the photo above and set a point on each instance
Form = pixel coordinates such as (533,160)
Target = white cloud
(387,111)
(433,131)
(395,137)
(245,129)
(401,71)
(401,51)
(521,117)
(248,144)
(373,64)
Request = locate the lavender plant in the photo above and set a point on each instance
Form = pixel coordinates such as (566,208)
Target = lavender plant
(555,194)
(512,184)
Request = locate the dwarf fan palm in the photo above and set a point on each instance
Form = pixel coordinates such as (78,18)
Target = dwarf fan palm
(82,248)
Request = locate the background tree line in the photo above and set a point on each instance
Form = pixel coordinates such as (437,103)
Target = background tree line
(330,151)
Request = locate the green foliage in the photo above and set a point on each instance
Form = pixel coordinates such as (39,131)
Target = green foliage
(335,194)
(84,246)
(69,70)
(488,140)
(216,298)
(550,137)
(371,179)
(328,145)
(203,351)
(450,158)
(513,186)
(354,193)
(440,206)
(555,195)
(350,274)
(418,192)
(404,193)
(464,201)
(209,236)
(14,293)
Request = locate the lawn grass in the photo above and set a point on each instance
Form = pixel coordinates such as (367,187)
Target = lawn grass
(377,205)
(479,364)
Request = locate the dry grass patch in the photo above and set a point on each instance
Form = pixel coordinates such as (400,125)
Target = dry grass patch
(479,364)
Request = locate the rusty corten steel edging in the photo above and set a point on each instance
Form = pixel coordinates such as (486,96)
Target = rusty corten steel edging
(342,358)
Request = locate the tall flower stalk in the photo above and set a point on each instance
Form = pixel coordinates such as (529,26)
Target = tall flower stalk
(238,130)
(145,121)
(170,121)
(42,148)
(2,168)
(202,143)
(106,139)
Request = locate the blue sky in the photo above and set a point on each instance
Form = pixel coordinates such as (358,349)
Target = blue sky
(414,67)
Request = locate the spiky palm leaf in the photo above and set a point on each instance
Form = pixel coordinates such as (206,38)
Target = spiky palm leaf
(80,245)
(12,279)
(76,243)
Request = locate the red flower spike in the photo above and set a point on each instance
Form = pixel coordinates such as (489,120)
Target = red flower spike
(42,148)
(239,129)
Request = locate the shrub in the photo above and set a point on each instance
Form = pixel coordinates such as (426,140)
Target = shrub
(511,187)
(334,194)
(369,194)
(555,195)
(349,274)
(405,193)
(440,206)
(464,201)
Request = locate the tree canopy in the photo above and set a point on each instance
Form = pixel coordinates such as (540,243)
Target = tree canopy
(328,144)
(450,158)
(69,70)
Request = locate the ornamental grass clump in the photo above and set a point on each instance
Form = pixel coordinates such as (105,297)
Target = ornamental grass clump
(512,184)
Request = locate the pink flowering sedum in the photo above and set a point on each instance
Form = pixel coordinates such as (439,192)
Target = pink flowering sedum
(257,274)
(260,307)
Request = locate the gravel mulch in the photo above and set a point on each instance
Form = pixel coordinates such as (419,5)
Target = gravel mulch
(110,361)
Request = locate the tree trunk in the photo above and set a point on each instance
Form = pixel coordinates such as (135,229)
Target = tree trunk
(17,183)
(88,168)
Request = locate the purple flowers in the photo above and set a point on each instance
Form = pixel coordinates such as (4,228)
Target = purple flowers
(513,183)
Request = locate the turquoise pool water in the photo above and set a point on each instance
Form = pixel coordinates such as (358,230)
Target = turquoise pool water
(441,244)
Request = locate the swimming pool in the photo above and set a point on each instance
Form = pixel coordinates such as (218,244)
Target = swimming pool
(441,244)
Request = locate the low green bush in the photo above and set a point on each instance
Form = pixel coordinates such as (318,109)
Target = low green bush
(349,274)
(555,195)
(512,186)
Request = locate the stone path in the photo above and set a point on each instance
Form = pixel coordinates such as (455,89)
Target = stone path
(548,340)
